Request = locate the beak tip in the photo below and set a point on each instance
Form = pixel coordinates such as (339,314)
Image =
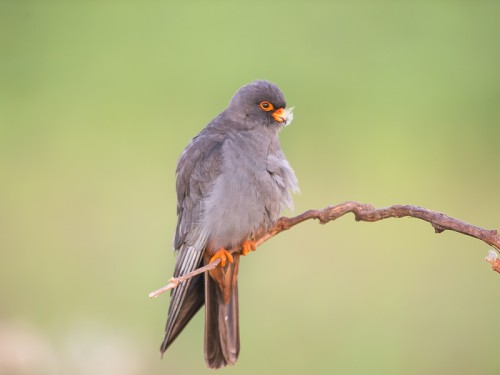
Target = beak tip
(280,115)
(284,115)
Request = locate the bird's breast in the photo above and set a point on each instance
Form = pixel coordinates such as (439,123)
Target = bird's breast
(245,197)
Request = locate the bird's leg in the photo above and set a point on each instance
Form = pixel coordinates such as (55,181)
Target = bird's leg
(248,246)
(223,255)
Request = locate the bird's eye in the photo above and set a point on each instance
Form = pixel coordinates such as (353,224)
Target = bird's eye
(266,106)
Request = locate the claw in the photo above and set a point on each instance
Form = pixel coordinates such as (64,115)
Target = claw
(248,246)
(223,255)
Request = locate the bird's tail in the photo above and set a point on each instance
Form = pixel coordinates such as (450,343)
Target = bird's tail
(185,301)
(222,336)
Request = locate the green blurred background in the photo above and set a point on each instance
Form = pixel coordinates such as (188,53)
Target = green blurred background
(396,102)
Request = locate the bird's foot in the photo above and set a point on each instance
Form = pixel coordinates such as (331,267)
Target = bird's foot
(223,255)
(248,246)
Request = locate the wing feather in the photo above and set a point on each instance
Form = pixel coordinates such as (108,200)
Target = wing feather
(197,169)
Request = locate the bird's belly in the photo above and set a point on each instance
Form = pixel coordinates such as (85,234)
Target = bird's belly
(240,204)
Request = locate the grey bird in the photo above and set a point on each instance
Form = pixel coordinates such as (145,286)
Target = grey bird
(233,180)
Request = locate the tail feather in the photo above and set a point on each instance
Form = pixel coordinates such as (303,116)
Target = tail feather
(192,301)
(222,337)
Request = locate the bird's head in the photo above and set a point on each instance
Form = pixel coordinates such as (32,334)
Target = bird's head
(260,103)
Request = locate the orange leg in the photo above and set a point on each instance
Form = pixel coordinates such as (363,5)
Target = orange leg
(223,255)
(248,246)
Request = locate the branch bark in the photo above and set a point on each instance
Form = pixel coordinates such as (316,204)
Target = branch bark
(364,212)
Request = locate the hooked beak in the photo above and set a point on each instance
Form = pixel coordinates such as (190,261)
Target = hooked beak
(280,115)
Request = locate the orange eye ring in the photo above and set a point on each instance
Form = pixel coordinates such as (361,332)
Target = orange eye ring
(266,106)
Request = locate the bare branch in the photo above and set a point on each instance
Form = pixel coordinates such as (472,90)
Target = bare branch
(366,212)
(362,212)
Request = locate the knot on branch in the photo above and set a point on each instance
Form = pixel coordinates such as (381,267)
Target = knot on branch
(438,228)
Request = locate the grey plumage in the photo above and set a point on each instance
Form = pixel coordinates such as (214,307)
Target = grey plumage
(232,182)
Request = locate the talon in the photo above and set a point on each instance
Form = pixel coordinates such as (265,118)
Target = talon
(223,255)
(248,246)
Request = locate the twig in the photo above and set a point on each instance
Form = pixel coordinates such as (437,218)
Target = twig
(493,259)
(362,212)
(174,281)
